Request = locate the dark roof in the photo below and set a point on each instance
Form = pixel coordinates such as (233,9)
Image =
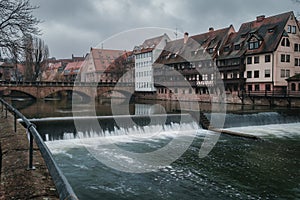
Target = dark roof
(268,30)
(149,44)
(294,78)
(198,47)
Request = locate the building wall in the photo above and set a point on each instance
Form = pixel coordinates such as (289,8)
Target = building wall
(288,68)
(144,72)
(263,69)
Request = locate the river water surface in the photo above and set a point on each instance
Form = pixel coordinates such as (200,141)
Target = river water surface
(236,168)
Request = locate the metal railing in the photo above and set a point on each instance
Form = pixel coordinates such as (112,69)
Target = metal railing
(60,84)
(63,187)
(266,93)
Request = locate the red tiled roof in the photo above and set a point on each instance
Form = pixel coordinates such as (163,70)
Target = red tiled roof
(54,66)
(74,65)
(103,58)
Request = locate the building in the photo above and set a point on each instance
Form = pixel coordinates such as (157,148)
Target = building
(145,55)
(72,70)
(10,71)
(187,67)
(99,66)
(272,52)
(294,85)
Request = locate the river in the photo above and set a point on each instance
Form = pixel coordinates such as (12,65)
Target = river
(235,168)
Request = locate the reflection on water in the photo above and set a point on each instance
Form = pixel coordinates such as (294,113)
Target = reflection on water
(59,108)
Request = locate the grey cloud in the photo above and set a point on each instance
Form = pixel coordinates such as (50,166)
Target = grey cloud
(73,26)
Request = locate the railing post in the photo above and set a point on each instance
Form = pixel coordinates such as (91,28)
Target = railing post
(30,164)
(15,122)
(5,111)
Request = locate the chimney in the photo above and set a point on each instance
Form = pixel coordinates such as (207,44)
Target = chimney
(260,18)
(185,37)
(211,29)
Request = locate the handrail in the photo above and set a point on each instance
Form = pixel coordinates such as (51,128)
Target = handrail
(63,187)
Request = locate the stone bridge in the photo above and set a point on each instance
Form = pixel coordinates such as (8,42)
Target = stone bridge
(41,90)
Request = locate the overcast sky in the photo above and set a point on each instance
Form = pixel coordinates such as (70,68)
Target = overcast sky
(73,26)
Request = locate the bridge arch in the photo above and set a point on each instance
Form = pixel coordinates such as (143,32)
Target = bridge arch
(126,93)
(7,91)
(69,91)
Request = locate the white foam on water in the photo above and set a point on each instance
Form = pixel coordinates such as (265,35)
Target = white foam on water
(146,134)
(289,130)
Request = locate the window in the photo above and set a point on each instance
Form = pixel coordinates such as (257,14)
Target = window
(249,87)
(294,29)
(267,58)
(268,87)
(297,62)
(282,73)
(293,88)
(282,58)
(256,59)
(287,73)
(289,29)
(287,58)
(237,47)
(249,74)
(256,74)
(296,47)
(226,49)
(267,73)
(256,87)
(253,45)
(285,42)
(249,60)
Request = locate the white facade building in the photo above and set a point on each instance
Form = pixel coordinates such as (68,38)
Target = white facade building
(145,56)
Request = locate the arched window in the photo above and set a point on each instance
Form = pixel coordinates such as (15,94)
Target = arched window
(293,87)
(299,86)
(285,42)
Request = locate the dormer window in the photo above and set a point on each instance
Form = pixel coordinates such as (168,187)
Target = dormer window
(254,43)
(210,50)
(226,49)
(237,47)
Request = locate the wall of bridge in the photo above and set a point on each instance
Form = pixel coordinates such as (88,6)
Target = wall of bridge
(41,92)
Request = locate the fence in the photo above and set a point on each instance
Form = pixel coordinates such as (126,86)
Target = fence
(63,187)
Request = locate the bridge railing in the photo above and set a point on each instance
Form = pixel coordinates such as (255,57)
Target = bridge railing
(60,84)
(63,187)
(266,93)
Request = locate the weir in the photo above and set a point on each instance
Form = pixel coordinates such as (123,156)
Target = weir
(64,128)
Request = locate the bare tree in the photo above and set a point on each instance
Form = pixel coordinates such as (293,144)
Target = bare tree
(36,54)
(16,20)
